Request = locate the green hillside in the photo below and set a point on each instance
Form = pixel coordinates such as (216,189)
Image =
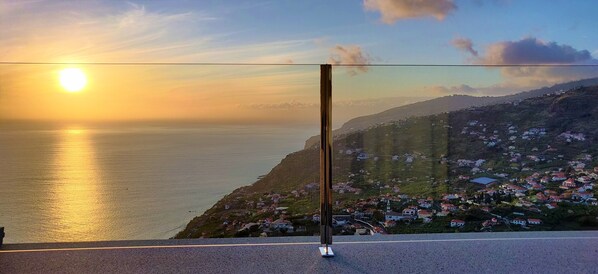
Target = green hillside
(421,157)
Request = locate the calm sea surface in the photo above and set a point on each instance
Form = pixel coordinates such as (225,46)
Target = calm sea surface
(87,183)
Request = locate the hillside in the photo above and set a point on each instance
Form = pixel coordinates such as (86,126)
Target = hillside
(444,104)
(427,156)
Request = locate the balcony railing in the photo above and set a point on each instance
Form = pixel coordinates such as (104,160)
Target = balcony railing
(128,156)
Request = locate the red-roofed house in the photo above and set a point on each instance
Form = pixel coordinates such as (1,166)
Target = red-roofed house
(541,197)
(569,183)
(559,176)
(422,213)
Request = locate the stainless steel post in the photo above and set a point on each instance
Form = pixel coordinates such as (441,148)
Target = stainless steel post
(326,160)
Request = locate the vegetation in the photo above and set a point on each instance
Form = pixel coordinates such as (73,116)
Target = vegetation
(426,157)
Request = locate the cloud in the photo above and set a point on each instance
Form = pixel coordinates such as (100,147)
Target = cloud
(533,51)
(515,55)
(465,45)
(91,31)
(394,10)
(350,55)
(461,89)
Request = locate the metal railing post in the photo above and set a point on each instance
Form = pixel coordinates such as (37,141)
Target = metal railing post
(326,160)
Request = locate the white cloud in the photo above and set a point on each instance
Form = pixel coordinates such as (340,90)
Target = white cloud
(465,45)
(394,10)
(350,55)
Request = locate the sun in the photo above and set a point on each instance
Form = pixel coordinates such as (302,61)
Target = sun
(72,79)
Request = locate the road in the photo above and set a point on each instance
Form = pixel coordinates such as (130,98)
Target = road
(510,252)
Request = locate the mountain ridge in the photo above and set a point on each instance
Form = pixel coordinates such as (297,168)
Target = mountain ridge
(422,156)
(443,104)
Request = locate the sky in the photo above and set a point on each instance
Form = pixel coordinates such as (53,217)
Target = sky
(288,33)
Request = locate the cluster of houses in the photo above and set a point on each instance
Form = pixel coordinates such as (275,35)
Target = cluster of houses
(542,190)
(535,193)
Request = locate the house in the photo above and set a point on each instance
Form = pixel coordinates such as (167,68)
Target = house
(341,220)
(275,197)
(515,188)
(569,183)
(249,227)
(425,203)
(491,222)
(540,197)
(448,207)
(315,218)
(519,221)
(393,216)
(409,212)
(552,206)
(422,213)
(559,176)
(584,179)
(390,223)
(282,225)
(443,213)
(362,156)
(457,223)
(484,181)
(450,197)
(582,195)
(535,186)
(534,221)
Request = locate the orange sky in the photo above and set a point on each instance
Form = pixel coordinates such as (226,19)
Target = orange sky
(158,31)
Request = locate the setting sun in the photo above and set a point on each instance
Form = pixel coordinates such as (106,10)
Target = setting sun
(72,79)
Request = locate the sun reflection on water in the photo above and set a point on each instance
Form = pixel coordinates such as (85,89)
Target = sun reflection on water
(78,200)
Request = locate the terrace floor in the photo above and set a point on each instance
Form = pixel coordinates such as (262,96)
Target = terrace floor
(513,252)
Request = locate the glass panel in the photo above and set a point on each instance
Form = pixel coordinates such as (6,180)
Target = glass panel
(426,149)
(112,152)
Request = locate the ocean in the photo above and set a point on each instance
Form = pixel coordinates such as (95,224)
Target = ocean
(78,182)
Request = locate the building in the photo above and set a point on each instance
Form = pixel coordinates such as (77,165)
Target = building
(422,213)
(409,211)
(457,223)
(484,181)
(534,221)
(519,221)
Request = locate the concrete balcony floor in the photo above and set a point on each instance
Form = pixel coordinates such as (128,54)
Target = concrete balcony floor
(514,252)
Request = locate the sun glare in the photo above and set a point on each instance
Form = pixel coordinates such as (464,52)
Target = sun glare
(72,79)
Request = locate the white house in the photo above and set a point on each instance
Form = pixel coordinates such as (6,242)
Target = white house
(409,211)
(393,216)
(519,221)
(534,221)
(448,207)
(281,224)
(362,156)
(457,223)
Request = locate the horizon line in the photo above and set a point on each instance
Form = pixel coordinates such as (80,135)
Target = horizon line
(288,64)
